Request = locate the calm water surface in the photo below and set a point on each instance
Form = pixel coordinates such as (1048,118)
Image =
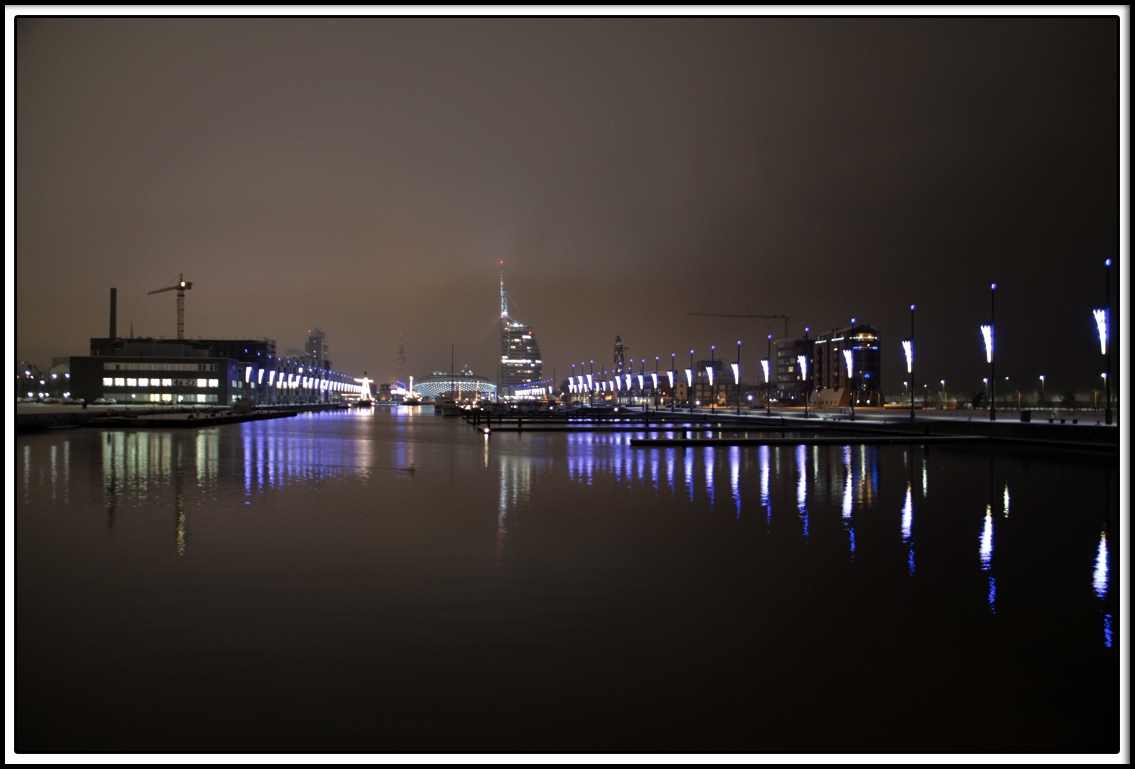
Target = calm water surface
(395,581)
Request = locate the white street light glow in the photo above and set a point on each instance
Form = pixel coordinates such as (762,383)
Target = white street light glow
(847,360)
(908,350)
(736,373)
(764,367)
(987,332)
(1101,325)
(803,361)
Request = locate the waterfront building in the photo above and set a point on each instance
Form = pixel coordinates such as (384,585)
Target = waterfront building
(463,386)
(316,348)
(791,383)
(520,353)
(835,388)
(203,371)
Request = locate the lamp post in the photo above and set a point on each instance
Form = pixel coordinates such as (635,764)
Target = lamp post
(591,382)
(768,382)
(802,360)
(709,376)
(641,385)
(1105,348)
(944,398)
(690,383)
(654,390)
(673,400)
(847,356)
(1041,404)
(987,331)
(737,377)
(909,349)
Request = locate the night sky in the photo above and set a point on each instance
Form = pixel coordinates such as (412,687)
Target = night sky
(367,176)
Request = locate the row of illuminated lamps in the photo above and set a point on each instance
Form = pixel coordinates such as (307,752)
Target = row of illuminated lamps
(588,382)
(297,381)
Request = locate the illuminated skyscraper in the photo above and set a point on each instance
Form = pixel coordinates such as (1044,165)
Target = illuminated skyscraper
(316,347)
(520,353)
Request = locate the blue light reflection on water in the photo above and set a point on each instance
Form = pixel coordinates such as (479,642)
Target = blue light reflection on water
(136,465)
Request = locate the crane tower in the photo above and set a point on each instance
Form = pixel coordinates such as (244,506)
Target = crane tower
(181,286)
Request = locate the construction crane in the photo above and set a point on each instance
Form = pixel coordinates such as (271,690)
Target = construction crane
(731,315)
(181,286)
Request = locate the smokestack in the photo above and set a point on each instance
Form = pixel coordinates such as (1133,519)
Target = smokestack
(114,313)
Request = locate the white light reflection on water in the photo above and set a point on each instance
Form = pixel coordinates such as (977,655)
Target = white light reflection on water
(907,511)
(907,517)
(847,482)
(670,469)
(802,486)
(1099,576)
(735,475)
(987,556)
(987,539)
(848,522)
(925,477)
(1006,500)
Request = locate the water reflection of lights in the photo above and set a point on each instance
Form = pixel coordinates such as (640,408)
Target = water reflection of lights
(735,476)
(707,454)
(516,479)
(690,471)
(802,486)
(987,556)
(987,539)
(1006,500)
(1099,575)
(907,517)
(907,514)
(848,484)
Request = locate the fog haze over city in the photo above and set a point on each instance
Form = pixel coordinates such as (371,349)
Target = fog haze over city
(368,176)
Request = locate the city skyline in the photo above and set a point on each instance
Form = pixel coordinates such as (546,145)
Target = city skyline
(628,172)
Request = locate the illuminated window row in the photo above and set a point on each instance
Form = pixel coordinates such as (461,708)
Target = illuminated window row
(163,397)
(146,382)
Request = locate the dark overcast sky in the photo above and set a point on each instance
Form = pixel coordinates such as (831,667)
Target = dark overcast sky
(367,175)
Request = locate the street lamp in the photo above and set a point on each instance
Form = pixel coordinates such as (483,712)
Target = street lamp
(1042,390)
(847,356)
(768,382)
(803,361)
(690,383)
(908,349)
(709,376)
(944,398)
(987,332)
(737,377)
(1102,319)
(673,400)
